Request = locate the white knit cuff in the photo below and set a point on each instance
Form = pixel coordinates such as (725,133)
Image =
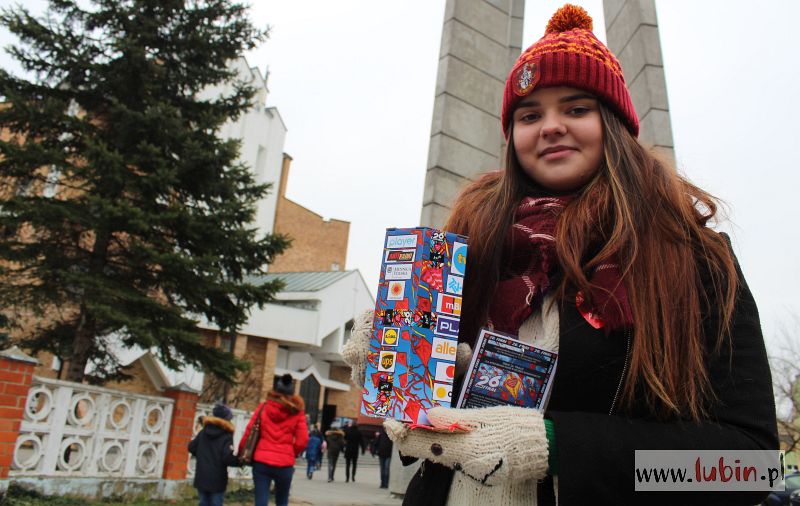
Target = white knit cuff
(355,351)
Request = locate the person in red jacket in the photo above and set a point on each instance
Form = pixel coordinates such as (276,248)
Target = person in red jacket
(283,436)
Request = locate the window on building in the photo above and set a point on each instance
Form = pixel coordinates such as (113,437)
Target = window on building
(309,391)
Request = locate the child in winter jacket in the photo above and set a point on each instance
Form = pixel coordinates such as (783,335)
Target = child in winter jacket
(313,452)
(212,448)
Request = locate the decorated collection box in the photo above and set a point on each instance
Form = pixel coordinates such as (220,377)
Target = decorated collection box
(415,329)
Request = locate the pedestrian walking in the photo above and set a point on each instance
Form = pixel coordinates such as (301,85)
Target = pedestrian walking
(313,452)
(383,448)
(354,443)
(212,448)
(335,444)
(283,435)
(373,445)
(589,244)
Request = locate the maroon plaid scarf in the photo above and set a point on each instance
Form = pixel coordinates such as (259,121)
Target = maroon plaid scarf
(529,265)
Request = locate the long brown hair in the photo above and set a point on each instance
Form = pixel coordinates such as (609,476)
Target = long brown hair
(639,210)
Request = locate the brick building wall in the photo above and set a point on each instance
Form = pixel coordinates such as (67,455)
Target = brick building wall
(317,244)
(347,403)
(139,384)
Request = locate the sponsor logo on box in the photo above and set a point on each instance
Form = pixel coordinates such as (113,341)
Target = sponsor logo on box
(386,362)
(401,241)
(445,371)
(391,336)
(449,305)
(459,263)
(423,319)
(447,326)
(444,349)
(399,271)
(455,284)
(385,385)
(442,392)
(400,255)
(397,290)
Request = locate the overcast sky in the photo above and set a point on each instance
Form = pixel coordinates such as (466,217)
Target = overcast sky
(354,82)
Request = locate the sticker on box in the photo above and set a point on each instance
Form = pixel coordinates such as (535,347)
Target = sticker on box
(438,253)
(399,255)
(424,319)
(449,305)
(401,241)
(399,271)
(447,327)
(391,336)
(444,349)
(387,361)
(459,264)
(445,372)
(455,284)
(442,392)
(397,290)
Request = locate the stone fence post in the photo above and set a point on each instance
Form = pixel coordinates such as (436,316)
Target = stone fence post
(16,375)
(180,431)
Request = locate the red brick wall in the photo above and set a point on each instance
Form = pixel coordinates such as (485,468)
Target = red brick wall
(15,380)
(180,433)
(317,243)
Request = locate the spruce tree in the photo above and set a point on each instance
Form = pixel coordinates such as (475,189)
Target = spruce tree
(124,218)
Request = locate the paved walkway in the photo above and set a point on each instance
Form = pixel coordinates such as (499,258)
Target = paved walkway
(318,492)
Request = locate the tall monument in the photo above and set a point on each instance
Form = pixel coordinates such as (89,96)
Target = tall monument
(481,40)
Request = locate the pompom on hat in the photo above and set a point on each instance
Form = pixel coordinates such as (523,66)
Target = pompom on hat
(569,55)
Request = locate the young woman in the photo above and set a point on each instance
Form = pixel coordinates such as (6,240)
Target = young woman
(589,245)
(283,435)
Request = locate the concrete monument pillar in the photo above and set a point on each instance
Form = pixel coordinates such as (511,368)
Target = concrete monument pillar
(632,32)
(481,39)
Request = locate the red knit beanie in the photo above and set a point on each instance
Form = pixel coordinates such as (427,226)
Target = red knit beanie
(569,55)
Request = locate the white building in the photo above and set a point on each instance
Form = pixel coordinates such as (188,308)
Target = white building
(311,319)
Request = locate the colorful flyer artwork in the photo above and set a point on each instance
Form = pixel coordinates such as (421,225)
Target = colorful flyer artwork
(506,371)
(415,329)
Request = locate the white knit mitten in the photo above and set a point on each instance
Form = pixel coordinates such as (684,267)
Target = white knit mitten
(356,350)
(505,443)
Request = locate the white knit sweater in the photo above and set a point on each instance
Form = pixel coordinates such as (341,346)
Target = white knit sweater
(541,330)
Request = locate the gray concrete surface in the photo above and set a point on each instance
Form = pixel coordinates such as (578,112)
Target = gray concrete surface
(363,492)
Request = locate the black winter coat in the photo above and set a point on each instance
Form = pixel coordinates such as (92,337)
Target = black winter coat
(354,442)
(383,445)
(212,448)
(595,443)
